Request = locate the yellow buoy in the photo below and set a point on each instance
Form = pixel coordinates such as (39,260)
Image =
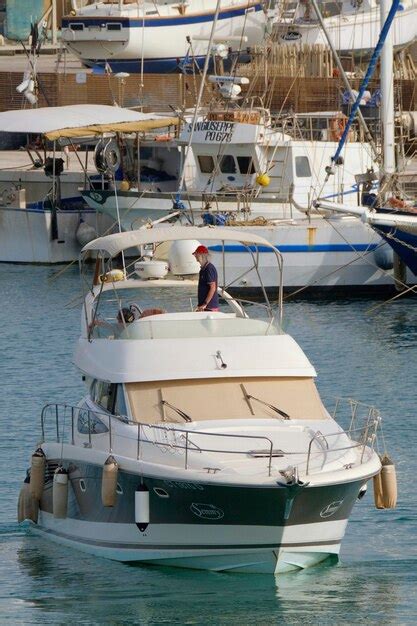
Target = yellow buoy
(60,493)
(124,185)
(388,483)
(37,473)
(263,180)
(379,503)
(112,276)
(109,482)
(27,506)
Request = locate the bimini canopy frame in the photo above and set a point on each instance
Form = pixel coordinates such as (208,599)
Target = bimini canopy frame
(110,246)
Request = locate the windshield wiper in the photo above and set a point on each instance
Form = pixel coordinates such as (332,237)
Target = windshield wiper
(184,416)
(249,397)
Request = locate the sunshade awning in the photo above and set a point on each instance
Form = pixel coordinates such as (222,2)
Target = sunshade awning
(113,244)
(81,120)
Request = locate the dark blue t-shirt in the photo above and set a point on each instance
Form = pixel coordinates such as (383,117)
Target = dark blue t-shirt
(208,274)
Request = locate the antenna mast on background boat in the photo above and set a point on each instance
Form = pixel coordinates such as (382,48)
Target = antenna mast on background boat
(197,104)
(368,135)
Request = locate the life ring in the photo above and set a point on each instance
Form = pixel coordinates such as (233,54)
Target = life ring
(162,138)
(337,128)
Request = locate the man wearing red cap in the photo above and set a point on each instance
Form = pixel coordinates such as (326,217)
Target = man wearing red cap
(208,300)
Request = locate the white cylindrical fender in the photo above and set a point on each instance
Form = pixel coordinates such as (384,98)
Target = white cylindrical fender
(37,473)
(181,260)
(142,507)
(388,483)
(85,233)
(60,493)
(109,482)
(27,505)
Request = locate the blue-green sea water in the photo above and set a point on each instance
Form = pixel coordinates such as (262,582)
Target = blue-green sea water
(372,357)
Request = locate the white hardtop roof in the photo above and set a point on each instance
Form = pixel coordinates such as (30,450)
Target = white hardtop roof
(50,120)
(113,244)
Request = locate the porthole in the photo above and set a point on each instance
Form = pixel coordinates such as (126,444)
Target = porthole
(83,486)
(161,492)
(119,489)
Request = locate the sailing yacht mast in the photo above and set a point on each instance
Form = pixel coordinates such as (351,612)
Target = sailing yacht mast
(387,95)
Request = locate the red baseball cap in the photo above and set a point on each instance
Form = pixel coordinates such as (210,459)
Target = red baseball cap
(201,250)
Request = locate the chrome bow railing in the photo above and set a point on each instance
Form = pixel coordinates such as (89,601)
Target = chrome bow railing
(60,421)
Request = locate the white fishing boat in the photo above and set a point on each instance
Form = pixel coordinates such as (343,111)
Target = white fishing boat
(231,153)
(353,26)
(43,216)
(241,162)
(158,36)
(202,441)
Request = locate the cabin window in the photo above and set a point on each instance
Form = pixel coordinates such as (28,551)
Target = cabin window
(206,164)
(89,424)
(245,165)
(120,407)
(76,26)
(227,164)
(109,396)
(302,167)
(114,27)
(102,394)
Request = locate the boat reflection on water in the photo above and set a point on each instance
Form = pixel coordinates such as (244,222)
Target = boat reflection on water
(53,580)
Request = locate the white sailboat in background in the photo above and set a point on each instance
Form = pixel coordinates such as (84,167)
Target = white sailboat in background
(352,25)
(392,217)
(159,36)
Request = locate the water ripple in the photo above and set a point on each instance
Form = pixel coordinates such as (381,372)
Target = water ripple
(370,357)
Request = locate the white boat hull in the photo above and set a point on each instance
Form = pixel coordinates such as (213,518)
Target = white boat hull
(354,33)
(119,542)
(319,253)
(160,40)
(26,234)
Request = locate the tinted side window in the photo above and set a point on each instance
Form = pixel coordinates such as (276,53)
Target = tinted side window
(228,164)
(245,165)
(88,422)
(120,407)
(206,164)
(302,167)
(102,393)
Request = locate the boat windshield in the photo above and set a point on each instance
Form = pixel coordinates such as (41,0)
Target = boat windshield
(227,398)
(165,313)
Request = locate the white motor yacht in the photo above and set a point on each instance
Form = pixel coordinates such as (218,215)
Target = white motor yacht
(202,441)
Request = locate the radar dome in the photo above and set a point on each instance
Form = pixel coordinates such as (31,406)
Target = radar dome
(180,258)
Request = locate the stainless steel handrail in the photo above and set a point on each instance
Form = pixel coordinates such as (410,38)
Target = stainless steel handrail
(368,434)
(140,425)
